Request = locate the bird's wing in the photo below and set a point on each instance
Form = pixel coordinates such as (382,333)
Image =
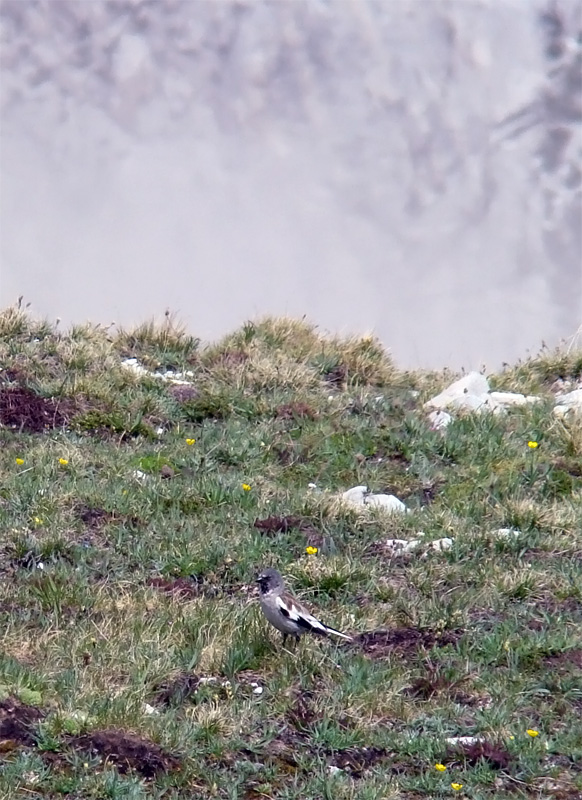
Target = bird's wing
(299,615)
(295,612)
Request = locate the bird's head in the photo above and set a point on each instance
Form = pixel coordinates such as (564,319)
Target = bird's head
(269,579)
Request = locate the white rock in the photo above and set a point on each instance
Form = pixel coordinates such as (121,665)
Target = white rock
(513,398)
(570,399)
(439,420)
(387,502)
(169,376)
(141,476)
(472,393)
(467,741)
(356,495)
(402,545)
(506,533)
(560,385)
(396,544)
(133,365)
(569,402)
(472,384)
(440,544)
(472,402)
(149,710)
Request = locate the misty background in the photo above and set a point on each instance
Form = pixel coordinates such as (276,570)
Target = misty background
(408,167)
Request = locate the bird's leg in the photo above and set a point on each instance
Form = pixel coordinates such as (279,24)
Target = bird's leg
(284,638)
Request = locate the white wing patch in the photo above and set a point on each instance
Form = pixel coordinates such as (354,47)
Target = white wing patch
(300,616)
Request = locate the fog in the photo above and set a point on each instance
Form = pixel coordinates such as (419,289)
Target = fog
(407,167)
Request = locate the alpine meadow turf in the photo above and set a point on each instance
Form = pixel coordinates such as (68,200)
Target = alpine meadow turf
(139,500)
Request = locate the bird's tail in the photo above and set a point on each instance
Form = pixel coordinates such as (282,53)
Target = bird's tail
(333,632)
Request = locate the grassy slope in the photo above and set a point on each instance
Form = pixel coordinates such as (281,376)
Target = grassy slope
(96,621)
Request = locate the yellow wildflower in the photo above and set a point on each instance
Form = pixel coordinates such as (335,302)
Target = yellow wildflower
(532,733)
(532,445)
(440,767)
(190,441)
(37,521)
(246,487)
(63,461)
(457,786)
(20,461)
(311,551)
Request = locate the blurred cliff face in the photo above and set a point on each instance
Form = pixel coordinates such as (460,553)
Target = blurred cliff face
(411,168)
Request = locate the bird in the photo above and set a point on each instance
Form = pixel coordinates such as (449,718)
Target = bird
(285,612)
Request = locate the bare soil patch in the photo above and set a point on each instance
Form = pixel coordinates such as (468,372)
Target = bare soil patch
(178,690)
(295,411)
(25,411)
(567,658)
(570,465)
(336,376)
(229,358)
(93,517)
(302,715)
(96,519)
(127,751)
(279,524)
(271,525)
(494,754)
(355,760)
(404,641)
(17,722)
(291,454)
(184,394)
(433,684)
(184,588)
(287,748)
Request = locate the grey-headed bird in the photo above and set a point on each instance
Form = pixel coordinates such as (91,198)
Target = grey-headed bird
(285,612)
